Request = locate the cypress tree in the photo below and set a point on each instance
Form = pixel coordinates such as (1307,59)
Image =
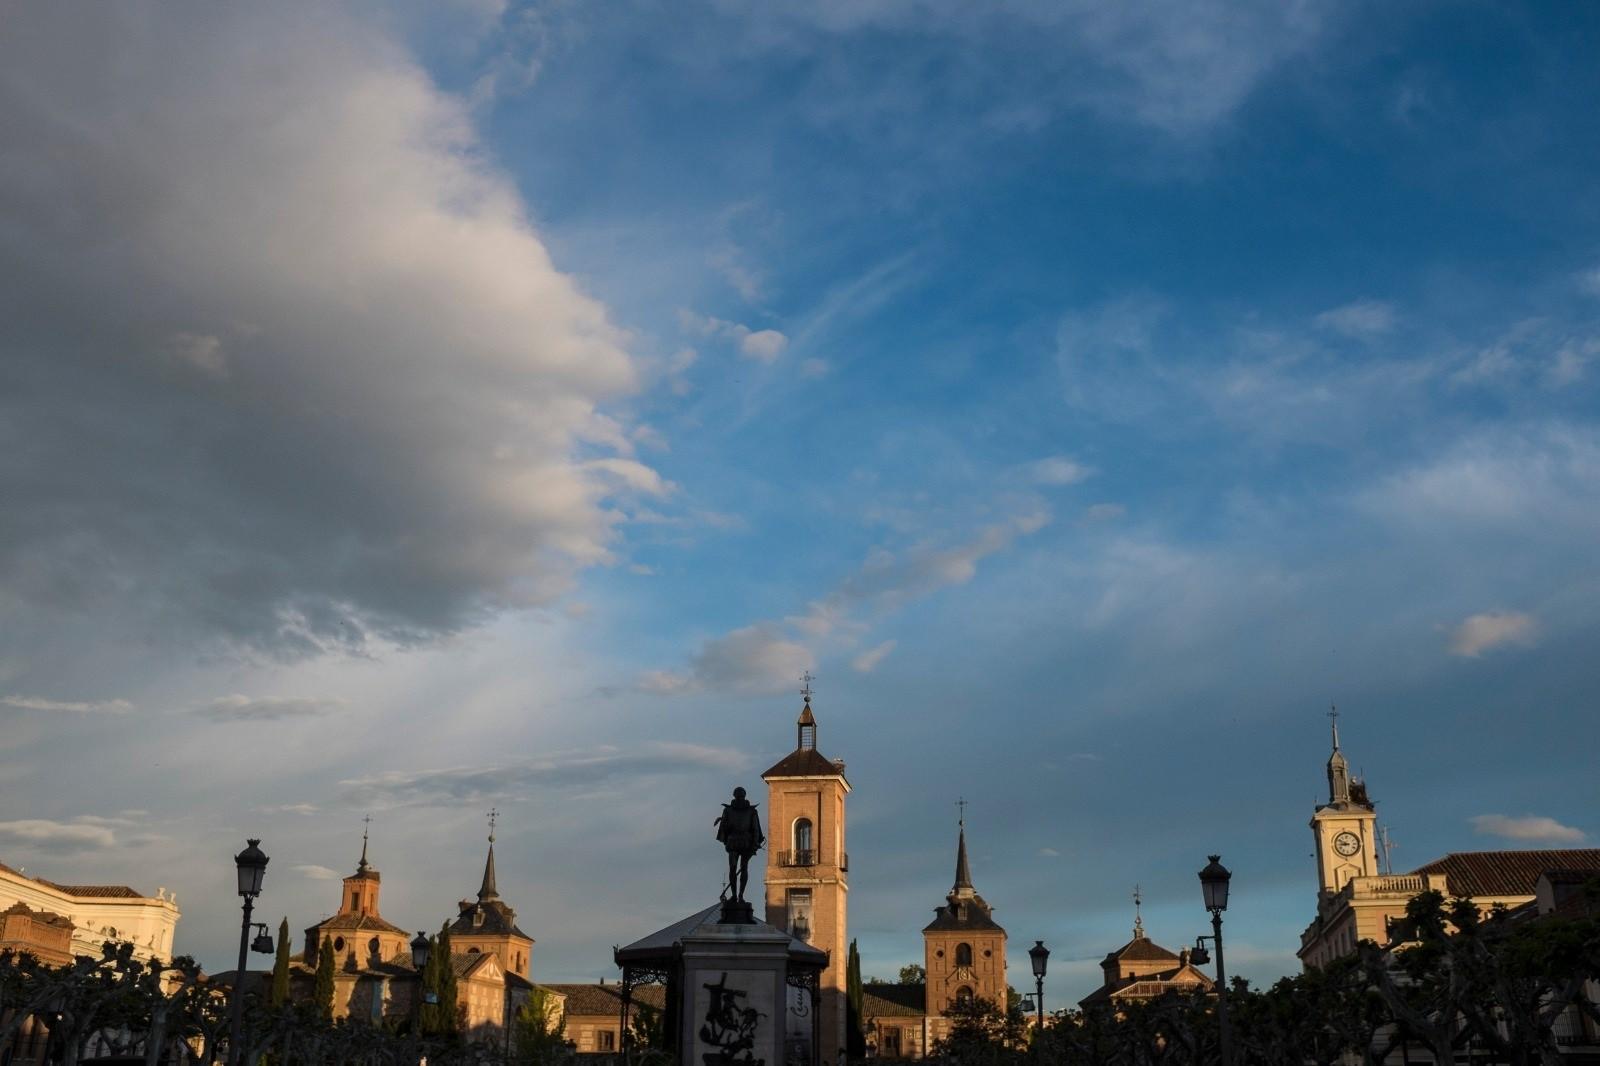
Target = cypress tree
(447,983)
(855,1039)
(279,993)
(322,997)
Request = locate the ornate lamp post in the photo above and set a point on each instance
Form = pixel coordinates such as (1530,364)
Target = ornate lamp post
(1214,888)
(251,864)
(420,948)
(1039,955)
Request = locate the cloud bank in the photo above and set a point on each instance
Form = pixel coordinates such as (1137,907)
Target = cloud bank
(1529,828)
(329,384)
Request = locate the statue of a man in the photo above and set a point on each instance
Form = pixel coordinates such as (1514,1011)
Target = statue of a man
(739,829)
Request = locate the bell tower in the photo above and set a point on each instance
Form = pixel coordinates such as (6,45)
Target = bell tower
(807,889)
(1345,828)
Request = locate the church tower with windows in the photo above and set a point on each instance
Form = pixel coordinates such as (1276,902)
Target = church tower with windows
(360,935)
(964,948)
(488,925)
(807,888)
(1345,827)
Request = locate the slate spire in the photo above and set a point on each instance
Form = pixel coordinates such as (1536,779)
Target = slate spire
(487,890)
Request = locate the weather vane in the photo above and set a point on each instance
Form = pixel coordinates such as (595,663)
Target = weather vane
(493,814)
(805,685)
(961,804)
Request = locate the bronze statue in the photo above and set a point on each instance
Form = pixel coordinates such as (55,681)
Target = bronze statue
(739,829)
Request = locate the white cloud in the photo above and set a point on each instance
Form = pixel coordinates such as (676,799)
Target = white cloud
(1589,281)
(763,345)
(36,703)
(1529,827)
(384,377)
(812,369)
(1049,853)
(1104,512)
(237,708)
(1362,320)
(317,873)
(1058,470)
(868,661)
(1571,362)
(1479,633)
(46,835)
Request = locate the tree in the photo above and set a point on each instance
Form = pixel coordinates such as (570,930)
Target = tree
(537,1032)
(913,974)
(855,1040)
(448,1011)
(278,995)
(981,1034)
(322,994)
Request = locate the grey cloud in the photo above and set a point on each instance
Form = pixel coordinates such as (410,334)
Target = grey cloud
(41,834)
(284,362)
(37,703)
(757,658)
(566,769)
(238,708)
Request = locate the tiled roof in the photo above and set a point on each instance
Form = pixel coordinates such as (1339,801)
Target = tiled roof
(358,922)
(1142,949)
(804,762)
(467,962)
(498,920)
(93,891)
(606,1000)
(1506,873)
(975,917)
(42,917)
(893,1001)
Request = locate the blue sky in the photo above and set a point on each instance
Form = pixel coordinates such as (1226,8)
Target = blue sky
(412,409)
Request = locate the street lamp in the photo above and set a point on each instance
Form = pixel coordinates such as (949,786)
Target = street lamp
(251,864)
(1214,888)
(1039,955)
(419,951)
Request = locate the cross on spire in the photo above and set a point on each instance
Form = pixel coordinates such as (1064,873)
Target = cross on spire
(494,814)
(366,823)
(961,805)
(1333,719)
(1138,919)
(805,684)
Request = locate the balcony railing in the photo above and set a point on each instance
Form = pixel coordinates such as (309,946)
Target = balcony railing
(812,857)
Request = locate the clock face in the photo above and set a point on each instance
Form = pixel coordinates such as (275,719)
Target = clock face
(1347,843)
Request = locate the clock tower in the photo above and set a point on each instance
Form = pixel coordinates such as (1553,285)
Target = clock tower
(1345,827)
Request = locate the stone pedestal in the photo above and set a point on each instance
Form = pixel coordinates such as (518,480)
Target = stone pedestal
(739,993)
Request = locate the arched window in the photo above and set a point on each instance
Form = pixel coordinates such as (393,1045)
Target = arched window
(963,954)
(964,996)
(373,947)
(804,845)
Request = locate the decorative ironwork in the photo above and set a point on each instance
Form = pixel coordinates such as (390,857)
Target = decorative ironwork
(808,857)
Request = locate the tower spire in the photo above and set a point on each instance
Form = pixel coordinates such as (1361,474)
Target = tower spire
(963,870)
(1138,919)
(487,891)
(1338,767)
(366,823)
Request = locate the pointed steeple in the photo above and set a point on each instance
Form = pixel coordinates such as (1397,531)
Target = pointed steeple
(487,890)
(1338,768)
(362,866)
(963,885)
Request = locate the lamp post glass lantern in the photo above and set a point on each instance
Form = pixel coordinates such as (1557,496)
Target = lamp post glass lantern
(1039,955)
(420,947)
(1214,884)
(251,866)
(1214,889)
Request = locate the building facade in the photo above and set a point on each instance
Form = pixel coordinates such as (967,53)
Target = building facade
(1143,970)
(99,914)
(807,885)
(1357,901)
